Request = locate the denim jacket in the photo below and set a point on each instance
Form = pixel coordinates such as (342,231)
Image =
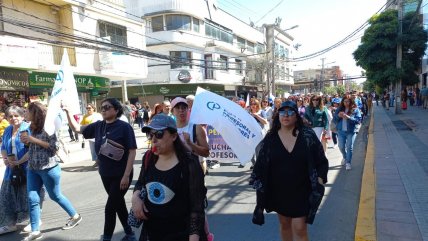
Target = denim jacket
(6,145)
(353,121)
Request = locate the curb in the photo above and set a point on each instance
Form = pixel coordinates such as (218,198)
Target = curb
(365,229)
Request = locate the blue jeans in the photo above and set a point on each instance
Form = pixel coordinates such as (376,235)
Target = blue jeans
(51,179)
(346,144)
(92,148)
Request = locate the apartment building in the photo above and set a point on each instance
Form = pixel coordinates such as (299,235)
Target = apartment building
(94,33)
(207,47)
(310,80)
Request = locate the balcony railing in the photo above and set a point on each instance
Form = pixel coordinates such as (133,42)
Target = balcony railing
(50,54)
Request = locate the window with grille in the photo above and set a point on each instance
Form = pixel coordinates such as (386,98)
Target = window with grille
(116,34)
(223,63)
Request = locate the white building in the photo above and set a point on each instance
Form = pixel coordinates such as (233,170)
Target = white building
(208,47)
(36,32)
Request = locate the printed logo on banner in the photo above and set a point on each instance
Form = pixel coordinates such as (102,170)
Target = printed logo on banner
(212,105)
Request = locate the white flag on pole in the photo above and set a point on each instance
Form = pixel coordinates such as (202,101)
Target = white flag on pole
(237,127)
(65,91)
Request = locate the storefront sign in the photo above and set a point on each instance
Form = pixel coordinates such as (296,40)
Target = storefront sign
(13,80)
(83,83)
(184,76)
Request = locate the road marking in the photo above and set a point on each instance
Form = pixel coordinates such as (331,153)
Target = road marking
(366,220)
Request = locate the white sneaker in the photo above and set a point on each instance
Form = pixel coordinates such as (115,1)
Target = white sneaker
(34,236)
(343,161)
(27,228)
(348,166)
(335,146)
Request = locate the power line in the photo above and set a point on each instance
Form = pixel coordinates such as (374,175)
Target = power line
(321,52)
(277,5)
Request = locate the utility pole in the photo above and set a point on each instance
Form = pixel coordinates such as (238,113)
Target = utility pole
(270,82)
(399,57)
(322,74)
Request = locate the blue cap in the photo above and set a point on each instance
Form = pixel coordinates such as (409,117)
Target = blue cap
(160,122)
(290,104)
(336,100)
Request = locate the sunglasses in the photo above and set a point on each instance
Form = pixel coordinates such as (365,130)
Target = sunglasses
(157,134)
(286,112)
(106,107)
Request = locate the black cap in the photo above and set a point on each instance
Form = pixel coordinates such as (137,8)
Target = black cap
(290,104)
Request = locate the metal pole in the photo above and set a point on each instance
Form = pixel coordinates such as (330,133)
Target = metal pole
(399,58)
(322,75)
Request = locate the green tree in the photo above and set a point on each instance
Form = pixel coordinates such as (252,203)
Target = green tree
(377,52)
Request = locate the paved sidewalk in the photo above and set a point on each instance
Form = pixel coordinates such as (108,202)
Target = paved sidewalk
(401,168)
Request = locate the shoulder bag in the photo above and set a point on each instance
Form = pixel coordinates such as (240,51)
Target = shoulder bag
(19,176)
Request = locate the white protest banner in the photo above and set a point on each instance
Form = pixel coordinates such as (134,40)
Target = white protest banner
(237,127)
(219,149)
(65,91)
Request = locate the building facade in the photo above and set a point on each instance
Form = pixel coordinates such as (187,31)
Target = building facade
(94,34)
(206,47)
(311,80)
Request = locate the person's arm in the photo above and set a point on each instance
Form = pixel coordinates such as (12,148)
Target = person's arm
(321,161)
(201,147)
(75,126)
(260,118)
(47,145)
(325,119)
(4,156)
(124,183)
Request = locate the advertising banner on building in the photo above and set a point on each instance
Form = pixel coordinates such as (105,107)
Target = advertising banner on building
(219,149)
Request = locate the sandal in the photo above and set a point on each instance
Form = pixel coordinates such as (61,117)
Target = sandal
(7,229)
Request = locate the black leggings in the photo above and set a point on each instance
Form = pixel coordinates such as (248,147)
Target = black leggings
(115,204)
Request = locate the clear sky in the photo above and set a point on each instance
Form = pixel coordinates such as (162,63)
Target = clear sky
(322,23)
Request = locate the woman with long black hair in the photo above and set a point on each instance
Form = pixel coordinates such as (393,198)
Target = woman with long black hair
(116,147)
(291,167)
(171,184)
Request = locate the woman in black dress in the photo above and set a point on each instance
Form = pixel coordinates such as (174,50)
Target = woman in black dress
(289,174)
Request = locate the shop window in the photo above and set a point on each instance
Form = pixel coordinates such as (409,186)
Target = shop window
(175,22)
(116,34)
(181,59)
(157,24)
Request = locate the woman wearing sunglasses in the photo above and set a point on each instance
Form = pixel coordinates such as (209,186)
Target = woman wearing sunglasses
(170,192)
(291,165)
(316,116)
(116,147)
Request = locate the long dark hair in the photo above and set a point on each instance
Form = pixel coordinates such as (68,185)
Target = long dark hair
(276,124)
(320,102)
(352,104)
(38,115)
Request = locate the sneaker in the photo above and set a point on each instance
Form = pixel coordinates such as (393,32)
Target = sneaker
(34,236)
(343,161)
(348,166)
(8,229)
(129,237)
(72,222)
(27,228)
(335,146)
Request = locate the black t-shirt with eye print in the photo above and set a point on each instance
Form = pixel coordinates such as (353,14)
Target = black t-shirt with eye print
(168,203)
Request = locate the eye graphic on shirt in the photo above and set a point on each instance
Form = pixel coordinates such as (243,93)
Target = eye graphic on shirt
(159,193)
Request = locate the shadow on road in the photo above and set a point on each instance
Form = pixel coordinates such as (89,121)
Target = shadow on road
(79,169)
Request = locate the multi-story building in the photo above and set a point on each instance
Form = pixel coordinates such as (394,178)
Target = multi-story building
(310,80)
(95,33)
(206,46)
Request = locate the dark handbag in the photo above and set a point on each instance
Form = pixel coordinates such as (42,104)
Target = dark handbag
(19,176)
(315,198)
(112,150)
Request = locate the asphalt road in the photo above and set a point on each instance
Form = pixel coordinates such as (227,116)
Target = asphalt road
(231,203)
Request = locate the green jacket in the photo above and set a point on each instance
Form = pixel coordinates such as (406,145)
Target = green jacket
(317,117)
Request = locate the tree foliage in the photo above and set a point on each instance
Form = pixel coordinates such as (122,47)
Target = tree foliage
(377,53)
